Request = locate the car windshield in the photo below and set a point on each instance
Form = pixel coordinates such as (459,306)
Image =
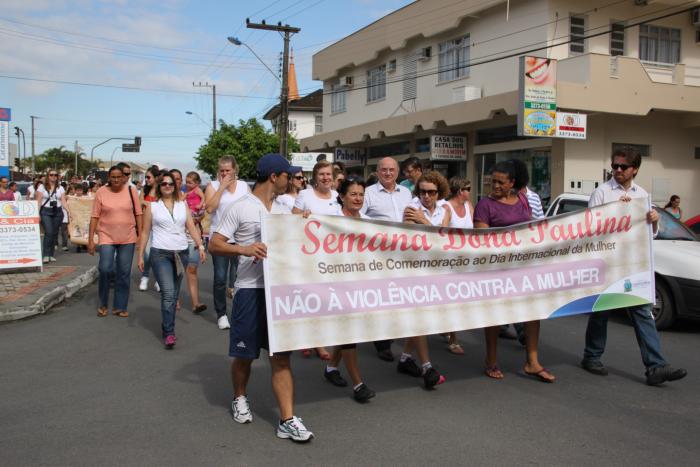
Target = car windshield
(671,229)
(571,205)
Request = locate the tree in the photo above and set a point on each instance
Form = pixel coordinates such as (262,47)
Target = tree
(247,142)
(62,160)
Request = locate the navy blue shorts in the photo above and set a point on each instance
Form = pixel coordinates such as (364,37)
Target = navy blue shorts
(248,333)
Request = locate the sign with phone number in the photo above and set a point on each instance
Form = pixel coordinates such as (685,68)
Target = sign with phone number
(20,240)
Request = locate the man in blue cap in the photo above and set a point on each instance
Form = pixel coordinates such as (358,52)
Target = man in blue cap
(238,234)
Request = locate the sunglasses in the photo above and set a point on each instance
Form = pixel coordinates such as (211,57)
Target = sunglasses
(622,167)
(167,184)
(298,177)
(428,192)
(53,175)
(467,188)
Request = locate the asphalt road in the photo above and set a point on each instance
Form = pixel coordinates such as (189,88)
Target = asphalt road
(80,390)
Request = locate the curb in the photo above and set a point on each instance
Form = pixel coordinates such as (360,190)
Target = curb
(52,298)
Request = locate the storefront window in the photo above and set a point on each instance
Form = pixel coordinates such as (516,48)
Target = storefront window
(538,166)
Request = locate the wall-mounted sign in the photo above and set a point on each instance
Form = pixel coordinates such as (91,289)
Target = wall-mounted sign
(4,144)
(571,125)
(351,157)
(307,160)
(538,97)
(5,114)
(448,148)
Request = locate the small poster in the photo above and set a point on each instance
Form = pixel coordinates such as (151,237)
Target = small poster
(448,148)
(538,97)
(79,213)
(20,240)
(571,125)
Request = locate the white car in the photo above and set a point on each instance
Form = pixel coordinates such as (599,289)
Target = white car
(676,263)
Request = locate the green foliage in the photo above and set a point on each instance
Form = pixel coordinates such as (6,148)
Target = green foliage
(247,142)
(60,159)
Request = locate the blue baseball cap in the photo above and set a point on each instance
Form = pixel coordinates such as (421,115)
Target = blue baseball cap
(275,163)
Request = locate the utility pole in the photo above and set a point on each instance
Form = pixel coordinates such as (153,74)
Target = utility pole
(284,95)
(213,96)
(76,157)
(19,131)
(33,156)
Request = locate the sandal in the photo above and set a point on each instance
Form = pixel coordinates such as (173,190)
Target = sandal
(102,311)
(323,354)
(199,308)
(544,375)
(455,348)
(121,313)
(494,372)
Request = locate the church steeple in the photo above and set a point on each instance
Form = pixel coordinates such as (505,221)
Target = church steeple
(293,87)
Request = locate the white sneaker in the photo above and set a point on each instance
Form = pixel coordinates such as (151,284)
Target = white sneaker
(143,285)
(52,259)
(240,409)
(156,286)
(65,248)
(295,430)
(45,259)
(223,323)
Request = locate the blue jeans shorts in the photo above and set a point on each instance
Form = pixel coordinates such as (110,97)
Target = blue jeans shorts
(248,332)
(192,256)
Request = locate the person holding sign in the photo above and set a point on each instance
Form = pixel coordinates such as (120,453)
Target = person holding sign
(506,206)
(625,166)
(424,209)
(51,197)
(116,217)
(238,235)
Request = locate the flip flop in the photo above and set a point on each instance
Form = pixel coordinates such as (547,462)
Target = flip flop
(199,308)
(455,348)
(121,313)
(102,312)
(540,375)
(494,372)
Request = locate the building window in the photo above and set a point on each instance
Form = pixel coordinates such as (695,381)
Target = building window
(659,45)
(338,95)
(318,120)
(643,149)
(292,125)
(577,34)
(617,39)
(453,59)
(376,83)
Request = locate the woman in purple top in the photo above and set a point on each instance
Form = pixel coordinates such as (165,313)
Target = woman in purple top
(502,208)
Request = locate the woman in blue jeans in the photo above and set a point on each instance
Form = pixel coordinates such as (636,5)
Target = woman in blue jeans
(166,219)
(51,198)
(116,217)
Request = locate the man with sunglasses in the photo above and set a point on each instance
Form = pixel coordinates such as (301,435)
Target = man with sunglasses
(625,166)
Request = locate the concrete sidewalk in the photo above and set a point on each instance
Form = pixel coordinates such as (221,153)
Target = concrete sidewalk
(28,292)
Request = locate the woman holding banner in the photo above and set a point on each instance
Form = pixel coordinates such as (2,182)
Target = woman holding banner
(506,206)
(425,209)
(351,197)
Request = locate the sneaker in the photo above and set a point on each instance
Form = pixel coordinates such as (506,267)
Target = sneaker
(595,367)
(169,342)
(240,410)
(295,430)
(335,378)
(52,259)
(65,248)
(432,378)
(156,286)
(661,374)
(143,285)
(223,323)
(409,367)
(45,259)
(363,393)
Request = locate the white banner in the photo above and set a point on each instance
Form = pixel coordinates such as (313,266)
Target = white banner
(337,280)
(20,239)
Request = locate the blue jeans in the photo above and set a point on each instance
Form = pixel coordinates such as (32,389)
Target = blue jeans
(223,266)
(163,263)
(644,329)
(147,259)
(51,220)
(121,257)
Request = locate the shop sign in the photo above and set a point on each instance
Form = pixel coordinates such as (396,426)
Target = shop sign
(351,157)
(4,144)
(307,160)
(538,97)
(20,243)
(571,125)
(448,148)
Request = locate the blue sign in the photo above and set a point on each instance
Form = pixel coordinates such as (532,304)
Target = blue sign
(5,114)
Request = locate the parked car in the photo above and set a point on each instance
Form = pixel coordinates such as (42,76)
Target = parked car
(676,263)
(22,187)
(694,224)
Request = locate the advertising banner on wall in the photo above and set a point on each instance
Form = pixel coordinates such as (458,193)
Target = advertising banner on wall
(4,144)
(351,157)
(448,148)
(307,160)
(571,125)
(20,242)
(538,96)
(336,280)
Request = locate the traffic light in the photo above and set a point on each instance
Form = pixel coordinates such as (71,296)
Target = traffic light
(137,140)
(17,162)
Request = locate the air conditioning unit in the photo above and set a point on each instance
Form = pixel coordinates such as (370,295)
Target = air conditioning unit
(347,81)
(695,17)
(424,54)
(391,66)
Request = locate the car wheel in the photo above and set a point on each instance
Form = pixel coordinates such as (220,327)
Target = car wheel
(664,313)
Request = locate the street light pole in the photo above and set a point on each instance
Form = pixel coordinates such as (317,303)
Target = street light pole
(213,96)
(33,164)
(189,112)
(92,151)
(18,130)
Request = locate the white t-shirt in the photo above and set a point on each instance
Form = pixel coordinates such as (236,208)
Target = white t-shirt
(286,200)
(18,196)
(241,225)
(307,200)
(457,222)
(436,217)
(50,196)
(168,232)
(227,198)
(339,212)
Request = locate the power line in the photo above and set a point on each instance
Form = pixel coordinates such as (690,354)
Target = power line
(303,10)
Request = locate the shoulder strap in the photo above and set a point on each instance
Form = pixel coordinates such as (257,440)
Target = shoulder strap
(133,209)
(48,198)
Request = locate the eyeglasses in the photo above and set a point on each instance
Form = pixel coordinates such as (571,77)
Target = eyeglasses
(127,174)
(467,188)
(53,175)
(167,184)
(428,192)
(622,167)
